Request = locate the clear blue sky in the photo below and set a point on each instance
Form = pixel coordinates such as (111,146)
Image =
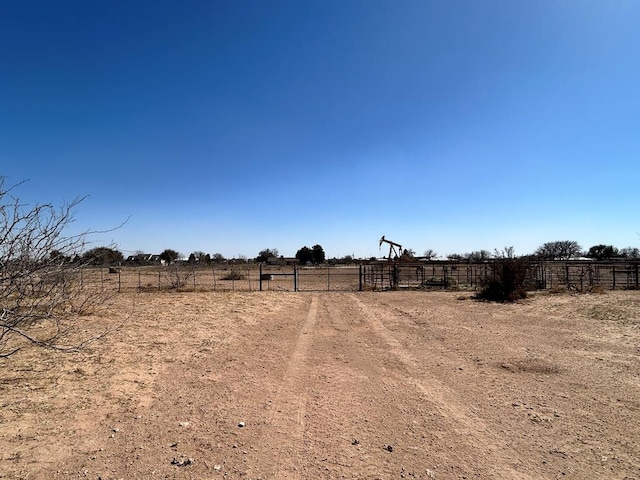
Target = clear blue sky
(235,126)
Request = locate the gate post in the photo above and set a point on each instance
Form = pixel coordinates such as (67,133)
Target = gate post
(295,278)
(360,277)
(613,273)
(261,277)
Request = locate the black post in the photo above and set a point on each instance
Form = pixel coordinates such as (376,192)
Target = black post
(360,277)
(260,277)
(614,276)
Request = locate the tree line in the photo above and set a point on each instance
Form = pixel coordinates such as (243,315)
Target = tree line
(556,250)
(315,255)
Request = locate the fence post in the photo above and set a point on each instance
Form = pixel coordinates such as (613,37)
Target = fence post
(249,278)
(566,268)
(139,280)
(637,284)
(194,278)
(328,278)
(360,277)
(159,281)
(295,278)
(119,282)
(260,280)
(213,271)
(614,276)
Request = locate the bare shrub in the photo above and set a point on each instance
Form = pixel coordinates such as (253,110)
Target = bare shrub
(586,281)
(178,276)
(505,281)
(42,296)
(234,275)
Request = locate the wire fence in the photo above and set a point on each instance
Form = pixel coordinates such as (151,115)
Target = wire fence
(570,275)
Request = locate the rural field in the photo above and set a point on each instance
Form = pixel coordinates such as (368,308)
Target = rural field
(353,385)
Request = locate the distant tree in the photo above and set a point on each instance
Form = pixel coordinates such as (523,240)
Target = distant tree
(266,254)
(477,256)
(218,258)
(603,252)
(58,257)
(102,256)
(559,250)
(199,257)
(318,254)
(347,259)
(456,257)
(631,253)
(506,252)
(304,255)
(430,254)
(169,256)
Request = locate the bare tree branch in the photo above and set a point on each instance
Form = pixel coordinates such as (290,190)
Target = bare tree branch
(43,294)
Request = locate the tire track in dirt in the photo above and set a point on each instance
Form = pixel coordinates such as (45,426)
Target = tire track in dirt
(465,424)
(287,416)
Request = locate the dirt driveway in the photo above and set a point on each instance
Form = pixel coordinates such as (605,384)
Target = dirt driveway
(335,385)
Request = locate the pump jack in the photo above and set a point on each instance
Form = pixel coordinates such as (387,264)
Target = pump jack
(392,247)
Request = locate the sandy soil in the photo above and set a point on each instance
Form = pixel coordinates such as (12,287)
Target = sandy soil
(335,385)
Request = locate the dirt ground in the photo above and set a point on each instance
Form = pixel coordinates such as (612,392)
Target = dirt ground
(334,385)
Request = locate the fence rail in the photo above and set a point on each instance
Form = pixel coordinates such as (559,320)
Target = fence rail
(572,275)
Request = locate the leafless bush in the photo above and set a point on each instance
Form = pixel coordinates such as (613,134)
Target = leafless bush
(506,280)
(178,275)
(41,295)
(234,275)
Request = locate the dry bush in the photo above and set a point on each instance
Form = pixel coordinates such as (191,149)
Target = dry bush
(506,280)
(177,276)
(234,275)
(42,293)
